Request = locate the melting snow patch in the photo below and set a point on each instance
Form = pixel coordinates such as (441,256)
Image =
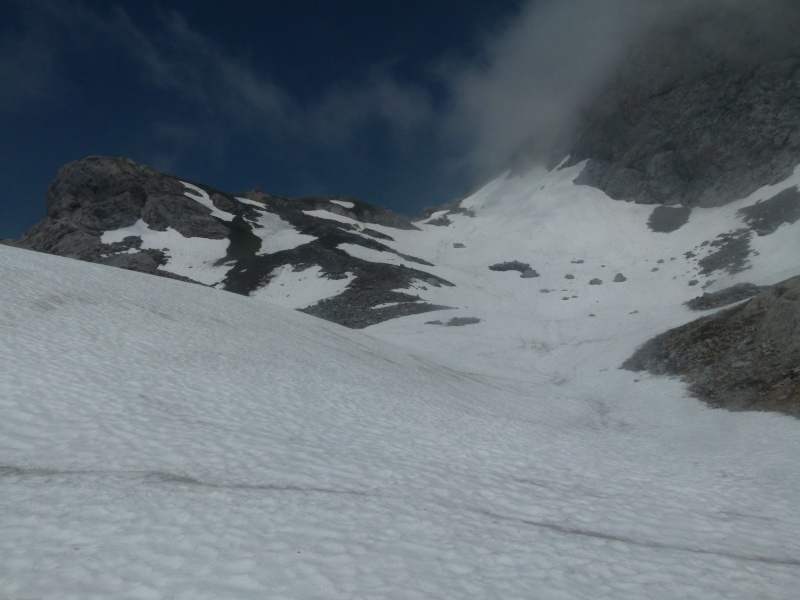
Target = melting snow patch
(202,197)
(324,214)
(299,289)
(277,235)
(388,305)
(343,203)
(194,257)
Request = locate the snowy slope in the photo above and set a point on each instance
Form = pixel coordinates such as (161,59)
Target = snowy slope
(161,440)
(559,323)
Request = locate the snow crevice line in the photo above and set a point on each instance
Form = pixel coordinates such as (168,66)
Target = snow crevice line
(655,545)
(165,477)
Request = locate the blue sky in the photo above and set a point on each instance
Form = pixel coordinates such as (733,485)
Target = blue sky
(297,98)
(403,104)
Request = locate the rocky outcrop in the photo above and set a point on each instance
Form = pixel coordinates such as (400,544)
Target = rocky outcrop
(96,195)
(743,358)
(730,295)
(525,270)
(703,112)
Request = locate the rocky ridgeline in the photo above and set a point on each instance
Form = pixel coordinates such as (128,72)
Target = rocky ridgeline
(95,195)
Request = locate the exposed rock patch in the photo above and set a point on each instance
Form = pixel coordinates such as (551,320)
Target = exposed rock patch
(743,358)
(731,253)
(525,270)
(456,322)
(730,295)
(441,221)
(666,219)
(452,208)
(766,216)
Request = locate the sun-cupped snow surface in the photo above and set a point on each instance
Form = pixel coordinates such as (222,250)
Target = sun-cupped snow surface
(194,257)
(300,288)
(161,440)
(197,193)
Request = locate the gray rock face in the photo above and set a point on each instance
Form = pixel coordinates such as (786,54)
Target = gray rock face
(99,194)
(744,358)
(703,113)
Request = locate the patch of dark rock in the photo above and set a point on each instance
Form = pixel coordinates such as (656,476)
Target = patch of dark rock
(619,278)
(689,254)
(666,219)
(577,262)
(569,276)
(596,281)
(693,283)
(243,242)
(731,253)
(565,297)
(592,315)
(766,216)
(453,208)
(145,261)
(458,245)
(524,269)
(456,322)
(634,312)
(660,261)
(742,358)
(377,234)
(373,284)
(545,291)
(131,242)
(654,269)
(730,295)
(441,221)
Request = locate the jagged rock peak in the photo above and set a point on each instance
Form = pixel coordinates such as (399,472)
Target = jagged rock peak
(704,111)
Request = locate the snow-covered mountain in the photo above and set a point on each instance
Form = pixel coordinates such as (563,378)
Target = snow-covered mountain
(526,266)
(518,414)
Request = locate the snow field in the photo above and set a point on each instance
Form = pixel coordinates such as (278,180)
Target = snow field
(163,440)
